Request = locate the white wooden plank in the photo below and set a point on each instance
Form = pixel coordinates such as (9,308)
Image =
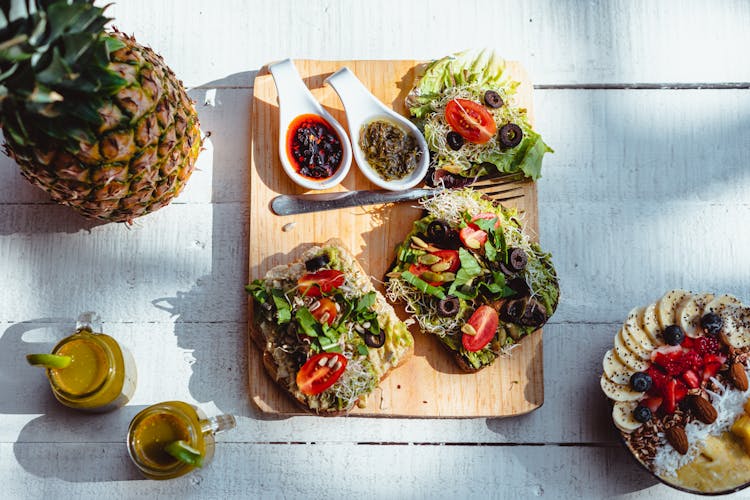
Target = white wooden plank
(306,471)
(559,42)
(58,264)
(664,146)
(612,257)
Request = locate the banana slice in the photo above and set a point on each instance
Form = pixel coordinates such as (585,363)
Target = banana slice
(615,370)
(633,346)
(619,392)
(650,325)
(632,329)
(628,358)
(666,307)
(690,313)
(622,415)
(721,302)
(736,325)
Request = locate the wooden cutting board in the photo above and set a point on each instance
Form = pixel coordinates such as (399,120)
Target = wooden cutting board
(430,384)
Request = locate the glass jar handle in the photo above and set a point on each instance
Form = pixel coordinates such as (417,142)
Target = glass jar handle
(219,423)
(89,321)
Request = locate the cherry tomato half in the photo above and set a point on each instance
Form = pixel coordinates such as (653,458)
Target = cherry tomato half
(326,311)
(487,216)
(472,237)
(318,283)
(419,269)
(484,321)
(470,120)
(451,257)
(320,372)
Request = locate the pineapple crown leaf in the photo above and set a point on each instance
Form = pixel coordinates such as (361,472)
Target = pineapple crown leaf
(54,68)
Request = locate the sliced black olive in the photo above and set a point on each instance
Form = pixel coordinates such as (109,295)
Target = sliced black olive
(449,180)
(448,307)
(519,286)
(513,310)
(506,270)
(510,135)
(517,259)
(489,167)
(493,99)
(455,141)
(438,231)
(534,315)
(373,340)
(317,262)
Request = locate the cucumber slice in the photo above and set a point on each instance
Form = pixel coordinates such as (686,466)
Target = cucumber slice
(184,453)
(51,361)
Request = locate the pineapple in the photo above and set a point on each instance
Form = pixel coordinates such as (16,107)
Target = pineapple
(90,116)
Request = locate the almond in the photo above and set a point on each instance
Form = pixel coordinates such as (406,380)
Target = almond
(703,409)
(738,376)
(678,439)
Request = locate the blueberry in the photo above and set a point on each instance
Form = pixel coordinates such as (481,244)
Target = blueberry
(712,323)
(642,414)
(640,382)
(674,335)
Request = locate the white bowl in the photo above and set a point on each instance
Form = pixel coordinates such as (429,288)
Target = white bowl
(361,108)
(295,99)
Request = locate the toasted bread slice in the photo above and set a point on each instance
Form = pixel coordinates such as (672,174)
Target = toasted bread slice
(456,260)
(288,338)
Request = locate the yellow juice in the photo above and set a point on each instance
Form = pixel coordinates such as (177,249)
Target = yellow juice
(88,367)
(157,426)
(101,375)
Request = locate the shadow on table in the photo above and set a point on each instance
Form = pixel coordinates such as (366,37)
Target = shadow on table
(219,370)
(25,388)
(88,447)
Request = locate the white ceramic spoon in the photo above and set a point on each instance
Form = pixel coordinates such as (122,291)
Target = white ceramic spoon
(362,108)
(295,99)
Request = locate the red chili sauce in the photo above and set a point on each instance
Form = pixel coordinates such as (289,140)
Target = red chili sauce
(313,147)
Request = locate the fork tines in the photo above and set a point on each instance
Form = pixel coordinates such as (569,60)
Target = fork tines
(501,187)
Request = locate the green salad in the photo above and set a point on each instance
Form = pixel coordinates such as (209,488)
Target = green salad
(469,274)
(465,105)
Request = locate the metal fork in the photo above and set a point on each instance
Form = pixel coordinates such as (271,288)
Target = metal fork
(499,187)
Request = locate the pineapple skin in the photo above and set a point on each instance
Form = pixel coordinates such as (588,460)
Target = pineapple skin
(146,147)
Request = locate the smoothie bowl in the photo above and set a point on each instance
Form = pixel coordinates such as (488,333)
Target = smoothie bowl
(677,380)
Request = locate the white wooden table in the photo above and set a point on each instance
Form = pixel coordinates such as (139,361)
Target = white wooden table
(648,109)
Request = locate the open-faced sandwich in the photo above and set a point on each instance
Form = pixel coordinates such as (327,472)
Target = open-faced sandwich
(677,380)
(465,104)
(327,336)
(468,273)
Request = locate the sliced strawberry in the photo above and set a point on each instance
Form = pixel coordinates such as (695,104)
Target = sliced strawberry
(675,392)
(653,403)
(710,370)
(659,381)
(681,391)
(665,350)
(691,360)
(688,343)
(714,358)
(691,379)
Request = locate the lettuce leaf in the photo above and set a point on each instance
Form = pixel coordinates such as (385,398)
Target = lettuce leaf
(480,71)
